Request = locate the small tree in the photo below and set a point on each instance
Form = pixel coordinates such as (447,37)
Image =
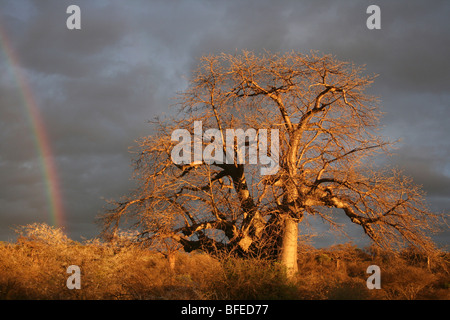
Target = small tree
(326,145)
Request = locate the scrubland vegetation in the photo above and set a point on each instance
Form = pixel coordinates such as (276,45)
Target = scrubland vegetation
(35,267)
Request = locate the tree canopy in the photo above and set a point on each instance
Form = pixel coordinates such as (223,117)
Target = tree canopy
(327,141)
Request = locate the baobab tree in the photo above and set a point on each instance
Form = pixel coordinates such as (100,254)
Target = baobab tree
(325,147)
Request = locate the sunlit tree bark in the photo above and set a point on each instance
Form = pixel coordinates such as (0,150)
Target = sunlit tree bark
(328,141)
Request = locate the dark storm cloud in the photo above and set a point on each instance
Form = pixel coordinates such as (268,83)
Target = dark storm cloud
(97,87)
(407,52)
(46,46)
(428,166)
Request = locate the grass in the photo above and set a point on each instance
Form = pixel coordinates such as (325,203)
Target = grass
(34,267)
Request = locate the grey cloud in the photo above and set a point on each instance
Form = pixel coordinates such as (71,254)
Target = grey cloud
(97,87)
(45,45)
(427,167)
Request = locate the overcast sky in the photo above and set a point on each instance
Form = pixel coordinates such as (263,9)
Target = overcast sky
(95,88)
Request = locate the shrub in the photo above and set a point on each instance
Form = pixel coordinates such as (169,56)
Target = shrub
(254,279)
(35,268)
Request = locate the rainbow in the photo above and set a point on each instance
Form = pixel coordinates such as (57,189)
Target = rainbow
(39,133)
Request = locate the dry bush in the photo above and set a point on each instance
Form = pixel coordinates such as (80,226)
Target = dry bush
(406,282)
(352,289)
(35,268)
(200,270)
(253,279)
(339,272)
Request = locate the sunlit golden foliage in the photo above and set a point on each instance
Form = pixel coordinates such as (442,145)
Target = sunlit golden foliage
(34,267)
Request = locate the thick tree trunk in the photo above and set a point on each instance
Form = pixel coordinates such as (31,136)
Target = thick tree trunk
(288,255)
